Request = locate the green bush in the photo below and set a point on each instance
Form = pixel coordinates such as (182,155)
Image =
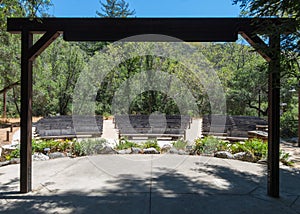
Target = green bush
(53,145)
(180,144)
(285,158)
(77,149)
(125,144)
(151,143)
(91,146)
(209,145)
(256,147)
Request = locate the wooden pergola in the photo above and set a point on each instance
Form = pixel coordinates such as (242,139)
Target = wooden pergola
(113,29)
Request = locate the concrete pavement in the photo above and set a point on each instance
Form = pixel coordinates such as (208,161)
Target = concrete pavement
(147,184)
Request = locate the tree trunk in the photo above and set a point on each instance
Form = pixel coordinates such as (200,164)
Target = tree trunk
(4,104)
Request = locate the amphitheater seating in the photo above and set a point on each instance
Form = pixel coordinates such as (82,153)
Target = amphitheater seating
(145,126)
(229,125)
(58,127)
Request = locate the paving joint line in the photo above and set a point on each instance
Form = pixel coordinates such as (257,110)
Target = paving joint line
(150,194)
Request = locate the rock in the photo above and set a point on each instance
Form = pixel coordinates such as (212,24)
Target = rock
(135,150)
(182,152)
(166,148)
(15,161)
(124,151)
(223,154)
(46,150)
(39,157)
(150,150)
(173,151)
(4,163)
(244,156)
(263,161)
(55,155)
(107,150)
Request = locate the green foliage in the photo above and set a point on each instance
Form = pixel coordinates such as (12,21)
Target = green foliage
(91,146)
(77,149)
(14,154)
(208,145)
(115,8)
(53,145)
(289,124)
(255,147)
(180,144)
(125,144)
(151,143)
(285,158)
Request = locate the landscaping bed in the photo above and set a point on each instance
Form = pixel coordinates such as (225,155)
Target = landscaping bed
(254,150)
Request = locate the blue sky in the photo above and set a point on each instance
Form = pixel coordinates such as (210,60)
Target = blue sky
(150,8)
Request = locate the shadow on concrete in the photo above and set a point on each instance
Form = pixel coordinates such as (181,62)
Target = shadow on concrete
(208,189)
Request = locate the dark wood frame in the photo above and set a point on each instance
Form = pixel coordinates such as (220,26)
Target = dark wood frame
(186,29)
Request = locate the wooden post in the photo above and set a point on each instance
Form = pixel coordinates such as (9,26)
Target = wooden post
(274,117)
(26,117)
(7,135)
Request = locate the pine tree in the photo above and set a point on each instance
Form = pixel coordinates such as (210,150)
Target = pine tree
(114,9)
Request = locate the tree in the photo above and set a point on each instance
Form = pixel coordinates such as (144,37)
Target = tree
(290,54)
(114,9)
(56,73)
(10,45)
(109,9)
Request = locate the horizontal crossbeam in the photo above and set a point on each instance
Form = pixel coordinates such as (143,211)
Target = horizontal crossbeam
(113,29)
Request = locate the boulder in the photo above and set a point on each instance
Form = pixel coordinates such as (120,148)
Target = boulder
(223,154)
(173,151)
(263,161)
(15,161)
(166,148)
(39,157)
(150,151)
(4,163)
(124,151)
(182,152)
(107,150)
(135,150)
(244,156)
(55,155)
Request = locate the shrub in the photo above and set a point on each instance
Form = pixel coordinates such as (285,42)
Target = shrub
(125,144)
(285,158)
(53,145)
(180,144)
(209,145)
(151,143)
(90,146)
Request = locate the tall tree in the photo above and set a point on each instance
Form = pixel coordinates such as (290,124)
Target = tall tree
(109,9)
(114,9)
(10,44)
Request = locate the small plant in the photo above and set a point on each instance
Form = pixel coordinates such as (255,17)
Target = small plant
(180,144)
(256,147)
(15,153)
(77,149)
(151,143)
(92,147)
(125,144)
(208,145)
(285,158)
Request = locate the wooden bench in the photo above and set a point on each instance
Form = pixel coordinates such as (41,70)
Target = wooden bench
(138,126)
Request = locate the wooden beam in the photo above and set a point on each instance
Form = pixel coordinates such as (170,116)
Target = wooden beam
(274,117)
(258,44)
(26,113)
(112,29)
(42,44)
